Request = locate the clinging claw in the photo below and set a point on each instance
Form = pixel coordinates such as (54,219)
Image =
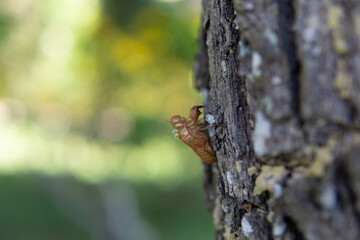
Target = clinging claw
(194,115)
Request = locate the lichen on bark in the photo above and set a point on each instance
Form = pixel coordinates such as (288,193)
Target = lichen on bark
(283,86)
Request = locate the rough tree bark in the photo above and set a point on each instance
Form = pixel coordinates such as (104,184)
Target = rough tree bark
(282,79)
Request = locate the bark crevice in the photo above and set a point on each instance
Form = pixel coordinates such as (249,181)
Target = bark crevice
(287,35)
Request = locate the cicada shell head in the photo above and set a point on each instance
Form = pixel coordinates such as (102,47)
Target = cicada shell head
(177,121)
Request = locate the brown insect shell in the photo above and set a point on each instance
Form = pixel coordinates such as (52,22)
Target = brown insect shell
(190,133)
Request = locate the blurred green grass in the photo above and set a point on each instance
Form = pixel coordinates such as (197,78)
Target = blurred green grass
(29,210)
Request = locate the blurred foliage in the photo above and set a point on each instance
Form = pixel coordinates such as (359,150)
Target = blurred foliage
(183,216)
(28,213)
(86,90)
(101,75)
(29,210)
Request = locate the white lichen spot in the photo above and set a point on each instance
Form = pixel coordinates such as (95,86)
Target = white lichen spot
(309,34)
(225,208)
(261,133)
(246,227)
(256,63)
(212,132)
(250,77)
(279,228)
(249,6)
(276,80)
(278,190)
(229,178)
(244,50)
(271,36)
(210,119)
(208,42)
(205,93)
(236,21)
(267,103)
(328,197)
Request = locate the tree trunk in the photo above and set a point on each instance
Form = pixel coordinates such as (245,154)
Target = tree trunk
(282,79)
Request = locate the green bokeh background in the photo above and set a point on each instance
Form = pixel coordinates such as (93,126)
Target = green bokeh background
(86,149)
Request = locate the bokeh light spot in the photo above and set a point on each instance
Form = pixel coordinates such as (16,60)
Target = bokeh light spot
(56,41)
(115,124)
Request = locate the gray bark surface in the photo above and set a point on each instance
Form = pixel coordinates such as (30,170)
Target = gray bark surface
(282,81)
